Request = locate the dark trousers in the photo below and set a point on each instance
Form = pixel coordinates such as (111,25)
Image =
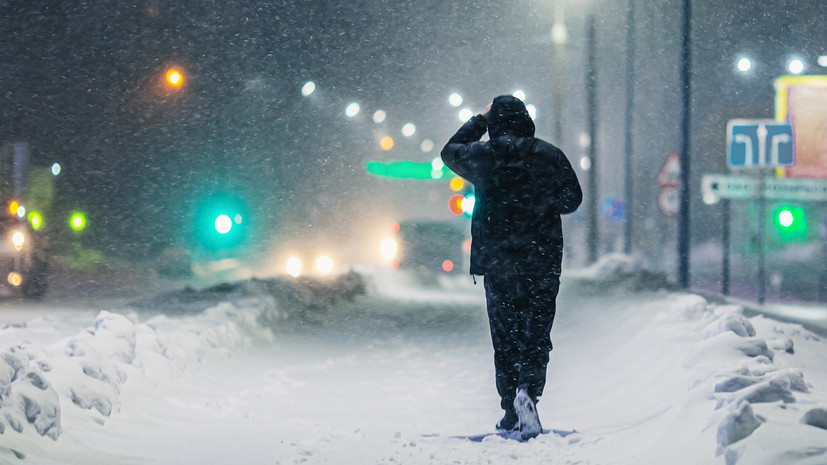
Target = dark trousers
(520,314)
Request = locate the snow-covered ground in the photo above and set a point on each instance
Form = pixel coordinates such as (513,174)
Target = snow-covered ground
(399,375)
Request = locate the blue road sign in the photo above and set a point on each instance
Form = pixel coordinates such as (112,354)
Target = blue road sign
(759,143)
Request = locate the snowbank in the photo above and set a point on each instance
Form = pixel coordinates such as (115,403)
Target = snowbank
(89,369)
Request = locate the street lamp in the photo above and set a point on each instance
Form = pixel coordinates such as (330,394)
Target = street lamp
(796,66)
(175,78)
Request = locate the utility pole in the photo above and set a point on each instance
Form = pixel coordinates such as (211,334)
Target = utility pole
(591,104)
(559,37)
(683,215)
(630,105)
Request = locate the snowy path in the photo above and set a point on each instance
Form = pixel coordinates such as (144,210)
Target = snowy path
(393,380)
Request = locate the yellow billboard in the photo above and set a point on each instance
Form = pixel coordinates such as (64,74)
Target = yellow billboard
(802,100)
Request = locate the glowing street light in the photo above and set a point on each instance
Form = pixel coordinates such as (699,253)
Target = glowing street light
(352,110)
(308,88)
(744,64)
(175,78)
(796,66)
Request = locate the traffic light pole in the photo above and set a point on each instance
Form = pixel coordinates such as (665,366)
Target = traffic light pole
(761,238)
(725,214)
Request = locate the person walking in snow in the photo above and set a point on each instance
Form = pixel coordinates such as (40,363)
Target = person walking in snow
(522,185)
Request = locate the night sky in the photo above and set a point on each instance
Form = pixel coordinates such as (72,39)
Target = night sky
(82,83)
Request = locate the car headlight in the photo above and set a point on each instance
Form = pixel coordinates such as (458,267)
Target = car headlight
(294,267)
(324,264)
(18,239)
(389,247)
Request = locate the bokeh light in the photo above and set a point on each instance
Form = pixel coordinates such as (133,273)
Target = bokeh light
(386,143)
(455,99)
(408,129)
(308,88)
(379,116)
(352,110)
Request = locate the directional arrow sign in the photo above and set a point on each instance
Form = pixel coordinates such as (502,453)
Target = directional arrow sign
(759,143)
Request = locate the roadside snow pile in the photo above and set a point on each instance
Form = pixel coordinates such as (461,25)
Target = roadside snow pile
(301,300)
(618,269)
(765,412)
(89,370)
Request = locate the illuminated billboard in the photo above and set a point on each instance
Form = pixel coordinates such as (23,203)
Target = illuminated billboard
(802,100)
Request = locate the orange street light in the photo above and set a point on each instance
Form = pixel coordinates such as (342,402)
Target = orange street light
(175,78)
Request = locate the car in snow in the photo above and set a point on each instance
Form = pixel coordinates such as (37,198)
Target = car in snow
(429,248)
(23,258)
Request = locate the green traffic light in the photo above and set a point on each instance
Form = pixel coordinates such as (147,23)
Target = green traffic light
(220,222)
(790,222)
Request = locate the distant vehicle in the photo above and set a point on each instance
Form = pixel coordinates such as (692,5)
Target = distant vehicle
(23,256)
(429,247)
(23,259)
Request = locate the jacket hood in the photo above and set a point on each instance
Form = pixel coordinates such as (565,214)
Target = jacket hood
(508,116)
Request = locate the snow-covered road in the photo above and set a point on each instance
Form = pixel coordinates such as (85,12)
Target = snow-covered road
(393,377)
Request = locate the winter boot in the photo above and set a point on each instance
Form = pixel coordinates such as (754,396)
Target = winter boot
(529,421)
(509,422)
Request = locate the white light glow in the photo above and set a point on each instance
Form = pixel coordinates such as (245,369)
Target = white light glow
(786,218)
(427,145)
(388,247)
(532,111)
(455,99)
(21,211)
(294,267)
(379,116)
(56,169)
(468,204)
(796,66)
(308,88)
(519,94)
(352,110)
(744,64)
(223,224)
(18,239)
(585,140)
(465,114)
(437,164)
(408,129)
(585,163)
(822,61)
(324,264)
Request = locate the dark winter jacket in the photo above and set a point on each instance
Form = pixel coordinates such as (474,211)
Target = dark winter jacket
(509,122)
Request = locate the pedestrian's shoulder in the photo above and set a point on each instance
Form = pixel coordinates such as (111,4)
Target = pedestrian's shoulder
(543,148)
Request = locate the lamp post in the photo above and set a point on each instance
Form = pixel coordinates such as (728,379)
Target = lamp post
(559,37)
(591,104)
(630,102)
(683,214)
